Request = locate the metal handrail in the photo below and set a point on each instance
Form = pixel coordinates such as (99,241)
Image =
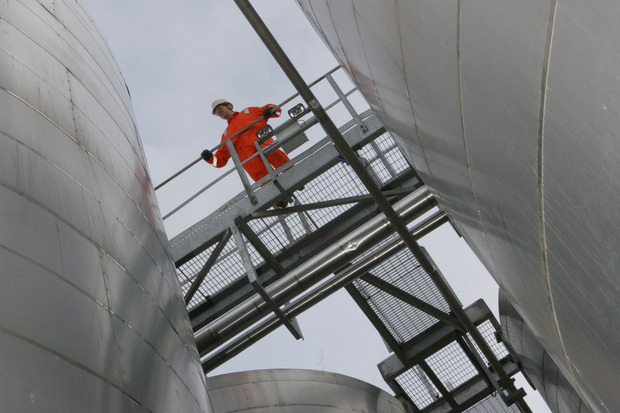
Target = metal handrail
(341,97)
(242,130)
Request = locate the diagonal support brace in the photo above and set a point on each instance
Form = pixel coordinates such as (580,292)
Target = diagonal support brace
(413,301)
(291,325)
(207,267)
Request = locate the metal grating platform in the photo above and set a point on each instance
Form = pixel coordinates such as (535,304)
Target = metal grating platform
(281,231)
(492,404)
(441,369)
(249,267)
(402,320)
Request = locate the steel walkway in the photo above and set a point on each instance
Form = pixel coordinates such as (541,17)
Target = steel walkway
(250,267)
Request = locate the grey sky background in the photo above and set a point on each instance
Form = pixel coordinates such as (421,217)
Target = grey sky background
(177,57)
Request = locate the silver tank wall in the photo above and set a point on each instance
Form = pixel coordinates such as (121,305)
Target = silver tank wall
(91,317)
(297,391)
(509,111)
(544,374)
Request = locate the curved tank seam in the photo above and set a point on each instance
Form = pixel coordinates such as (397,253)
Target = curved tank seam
(108,309)
(68,360)
(131,118)
(463,131)
(69,224)
(93,157)
(372,77)
(409,97)
(541,186)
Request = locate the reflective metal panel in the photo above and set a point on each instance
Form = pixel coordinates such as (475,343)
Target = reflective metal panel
(91,316)
(542,370)
(509,112)
(297,391)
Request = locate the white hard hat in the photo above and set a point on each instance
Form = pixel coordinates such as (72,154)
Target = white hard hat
(218,102)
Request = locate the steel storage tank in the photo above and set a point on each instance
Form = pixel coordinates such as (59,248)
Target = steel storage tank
(542,370)
(297,391)
(509,112)
(91,316)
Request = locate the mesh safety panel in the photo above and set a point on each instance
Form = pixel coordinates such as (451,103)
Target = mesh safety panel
(493,404)
(488,332)
(229,268)
(282,231)
(450,373)
(384,158)
(402,319)
(418,387)
(453,368)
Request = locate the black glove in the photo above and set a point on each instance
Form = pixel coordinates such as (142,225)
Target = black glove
(206,154)
(269,112)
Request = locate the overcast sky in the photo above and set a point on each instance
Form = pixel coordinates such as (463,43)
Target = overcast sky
(177,57)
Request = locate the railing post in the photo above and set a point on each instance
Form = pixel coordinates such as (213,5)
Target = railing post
(265,161)
(345,101)
(239,166)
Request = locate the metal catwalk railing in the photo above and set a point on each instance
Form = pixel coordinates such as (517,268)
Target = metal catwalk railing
(290,134)
(332,204)
(248,268)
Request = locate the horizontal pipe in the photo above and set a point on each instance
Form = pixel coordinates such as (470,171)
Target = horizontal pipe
(312,271)
(311,298)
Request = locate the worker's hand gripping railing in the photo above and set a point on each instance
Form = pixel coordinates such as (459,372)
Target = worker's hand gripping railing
(261,152)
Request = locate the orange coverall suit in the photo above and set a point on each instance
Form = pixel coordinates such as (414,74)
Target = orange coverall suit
(244,143)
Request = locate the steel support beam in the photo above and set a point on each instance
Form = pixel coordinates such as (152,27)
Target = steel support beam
(260,246)
(386,335)
(309,299)
(205,269)
(329,203)
(291,257)
(312,271)
(412,301)
(251,273)
(439,385)
(351,157)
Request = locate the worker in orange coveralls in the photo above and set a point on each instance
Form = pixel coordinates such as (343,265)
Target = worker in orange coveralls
(244,142)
